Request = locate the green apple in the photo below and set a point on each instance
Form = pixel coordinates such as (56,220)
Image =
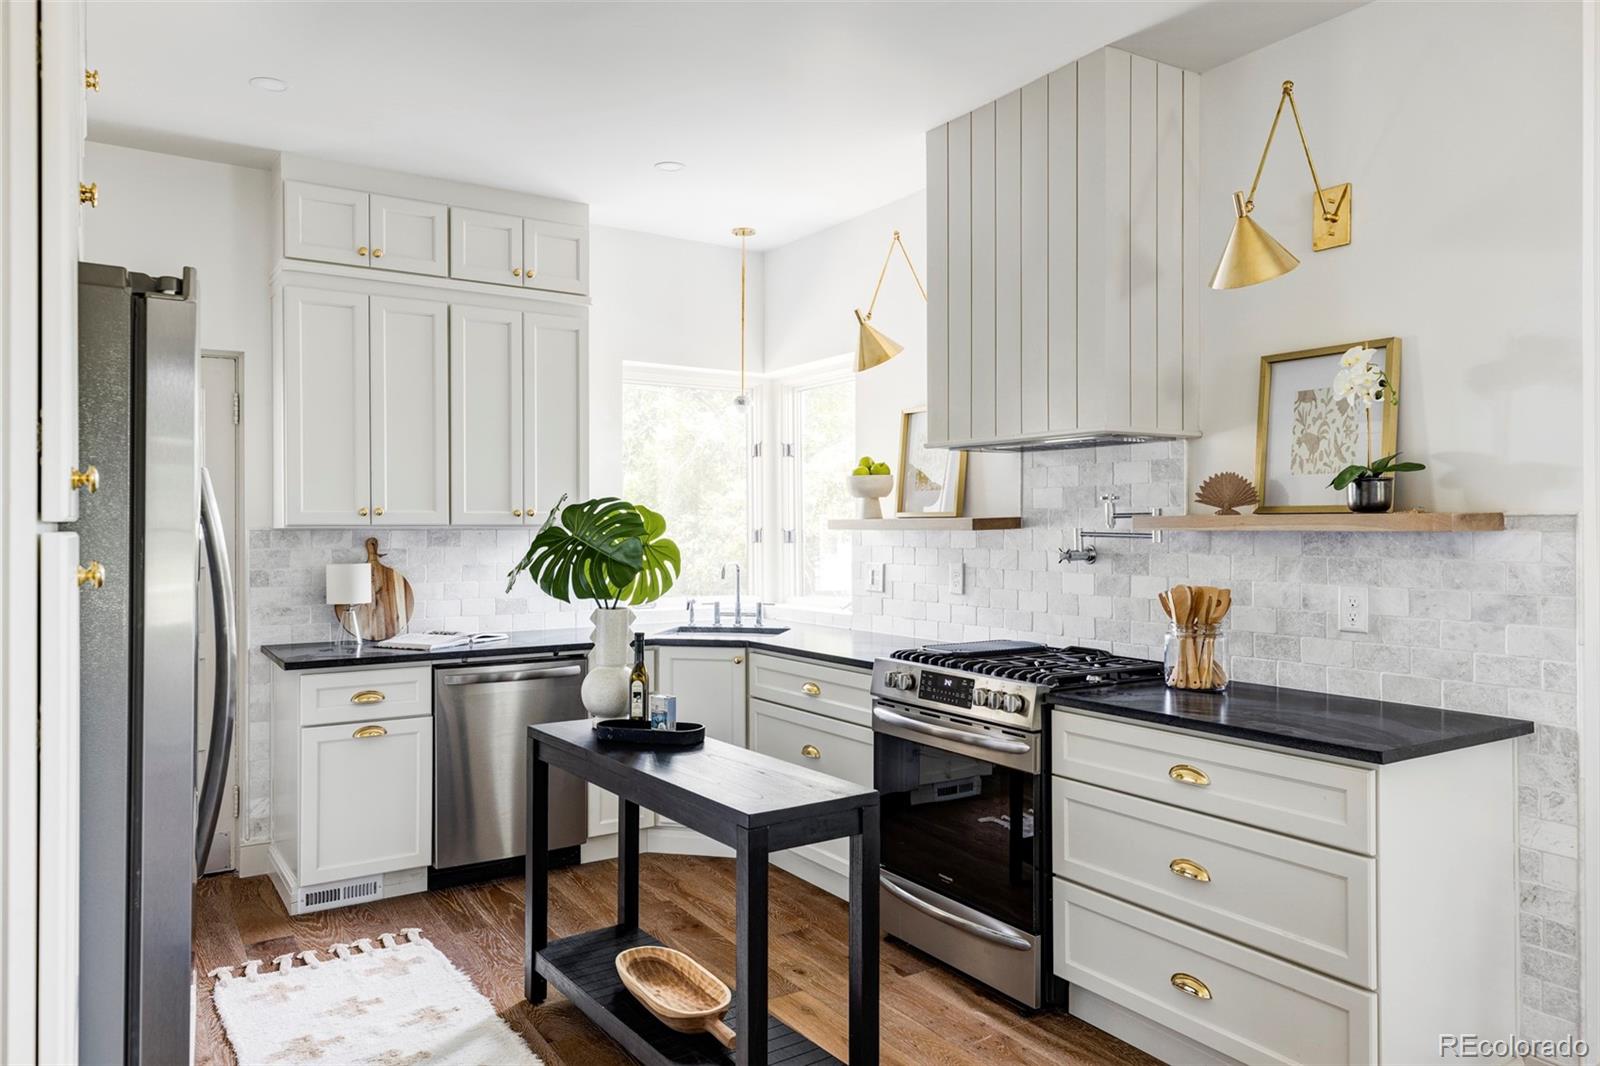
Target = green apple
(866,461)
(861,471)
(880,468)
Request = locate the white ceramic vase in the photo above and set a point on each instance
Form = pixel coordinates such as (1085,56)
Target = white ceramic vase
(605,689)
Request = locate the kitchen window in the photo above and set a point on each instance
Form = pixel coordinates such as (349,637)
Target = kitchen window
(821,431)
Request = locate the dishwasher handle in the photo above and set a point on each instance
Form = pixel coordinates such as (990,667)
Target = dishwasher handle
(495,677)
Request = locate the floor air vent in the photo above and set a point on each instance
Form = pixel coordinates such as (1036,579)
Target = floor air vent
(339,893)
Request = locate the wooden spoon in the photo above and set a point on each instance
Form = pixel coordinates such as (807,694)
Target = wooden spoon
(1182,608)
(1166,602)
(1218,607)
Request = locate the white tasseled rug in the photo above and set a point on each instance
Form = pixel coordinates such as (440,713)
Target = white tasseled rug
(397,1003)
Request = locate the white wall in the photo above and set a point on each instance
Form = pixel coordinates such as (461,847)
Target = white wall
(1459,126)
(813,286)
(660,300)
(160,213)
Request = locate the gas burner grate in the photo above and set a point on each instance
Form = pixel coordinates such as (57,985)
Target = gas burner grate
(1058,669)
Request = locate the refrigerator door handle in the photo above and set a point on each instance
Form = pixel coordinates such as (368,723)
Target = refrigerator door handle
(227,665)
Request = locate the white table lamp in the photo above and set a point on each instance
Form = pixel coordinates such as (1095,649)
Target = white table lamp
(350,584)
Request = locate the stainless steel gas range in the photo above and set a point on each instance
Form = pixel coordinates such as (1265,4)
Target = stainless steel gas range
(961,763)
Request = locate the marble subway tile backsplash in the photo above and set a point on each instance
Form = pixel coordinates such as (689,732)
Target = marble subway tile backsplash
(1482,622)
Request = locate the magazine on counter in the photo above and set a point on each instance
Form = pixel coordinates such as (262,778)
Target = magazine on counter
(440,640)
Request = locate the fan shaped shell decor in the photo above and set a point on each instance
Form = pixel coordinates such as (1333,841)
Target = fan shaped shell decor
(1226,492)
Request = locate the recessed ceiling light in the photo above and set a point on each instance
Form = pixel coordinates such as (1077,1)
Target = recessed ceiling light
(269,85)
(670,166)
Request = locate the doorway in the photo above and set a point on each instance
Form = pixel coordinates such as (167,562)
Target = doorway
(219,454)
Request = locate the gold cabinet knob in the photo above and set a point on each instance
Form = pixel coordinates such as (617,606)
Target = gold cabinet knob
(1190,985)
(378,511)
(1185,774)
(530,272)
(91,80)
(370,695)
(89,194)
(377,253)
(738,660)
(361,250)
(93,575)
(811,751)
(1190,869)
(811,688)
(362,511)
(516,272)
(368,731)
(516,512)
(87,478)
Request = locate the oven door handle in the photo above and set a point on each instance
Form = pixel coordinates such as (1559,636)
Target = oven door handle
(976,740)
(983,932)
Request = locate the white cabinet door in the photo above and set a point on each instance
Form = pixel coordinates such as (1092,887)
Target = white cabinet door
(62,128)
(324,223)
(366,799)
(710,686)
(410,235)
(410,412)
(485,247)
(555,256)
(555,349)
(486,417)
(326,408)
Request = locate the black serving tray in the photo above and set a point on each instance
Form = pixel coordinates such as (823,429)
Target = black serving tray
(637,731)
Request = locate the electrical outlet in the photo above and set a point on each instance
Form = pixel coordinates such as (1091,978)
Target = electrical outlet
(1353,609)
(958,578)
(874,577)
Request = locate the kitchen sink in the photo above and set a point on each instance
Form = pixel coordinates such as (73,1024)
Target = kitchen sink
(685,631)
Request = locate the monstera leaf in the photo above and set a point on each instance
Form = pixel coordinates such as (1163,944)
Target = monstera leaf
(595,551)
(662,561)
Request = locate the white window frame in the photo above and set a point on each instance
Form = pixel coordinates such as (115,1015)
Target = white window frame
(755,577)
(784,473)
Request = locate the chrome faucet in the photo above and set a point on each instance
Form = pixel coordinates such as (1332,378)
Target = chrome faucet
(738,608)
(691,612)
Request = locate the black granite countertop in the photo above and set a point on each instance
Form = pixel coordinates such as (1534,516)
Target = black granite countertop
(1341,727)
(845,647)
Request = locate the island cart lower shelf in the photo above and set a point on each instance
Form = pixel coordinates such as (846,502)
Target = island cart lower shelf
(583,968)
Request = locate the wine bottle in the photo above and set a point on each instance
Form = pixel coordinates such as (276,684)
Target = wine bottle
(639,682)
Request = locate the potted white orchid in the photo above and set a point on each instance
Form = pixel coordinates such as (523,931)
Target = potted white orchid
(1368,487)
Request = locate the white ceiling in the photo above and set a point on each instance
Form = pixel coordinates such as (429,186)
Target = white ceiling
(790,116)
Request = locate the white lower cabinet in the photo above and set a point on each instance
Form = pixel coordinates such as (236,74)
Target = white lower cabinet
(710,686)
(819,743)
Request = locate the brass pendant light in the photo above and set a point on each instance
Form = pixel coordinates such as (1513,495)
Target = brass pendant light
(1252,256)
(872,346)
(744,233)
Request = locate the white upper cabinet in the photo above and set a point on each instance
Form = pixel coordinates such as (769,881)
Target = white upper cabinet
(410,411)
(555,352)
(555,256)
(412,236)
(327,224)
(326,444)
(1063,278)
(487,454)
(485,247)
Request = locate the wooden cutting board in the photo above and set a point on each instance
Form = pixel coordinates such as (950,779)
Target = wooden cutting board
(392,602)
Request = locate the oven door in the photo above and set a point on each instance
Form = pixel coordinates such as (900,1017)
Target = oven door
(957,810)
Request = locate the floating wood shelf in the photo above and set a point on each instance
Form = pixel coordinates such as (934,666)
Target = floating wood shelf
(1337,522)
(925,523)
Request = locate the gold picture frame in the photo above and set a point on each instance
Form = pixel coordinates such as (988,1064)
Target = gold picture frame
(1300,493)
(914,450)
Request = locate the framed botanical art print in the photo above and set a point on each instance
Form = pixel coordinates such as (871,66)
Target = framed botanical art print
(1306,432)
(932,480)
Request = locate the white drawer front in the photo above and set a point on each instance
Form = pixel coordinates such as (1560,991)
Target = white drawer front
(366,695)
(837,691)
(1325,802)
(815,742)
(1260,1009)
(1304,902)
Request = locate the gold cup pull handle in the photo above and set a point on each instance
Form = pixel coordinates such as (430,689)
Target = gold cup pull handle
(1190,985)
(87,478)
(811,688)
(368,731)
(1185,774)
(370,695)
(811,751)
(1190,869)
(92,575)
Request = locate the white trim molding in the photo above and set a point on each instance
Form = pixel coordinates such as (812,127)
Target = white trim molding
(1589,541)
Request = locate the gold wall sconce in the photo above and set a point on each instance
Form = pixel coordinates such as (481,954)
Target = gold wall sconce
(1252,256)
(873,347)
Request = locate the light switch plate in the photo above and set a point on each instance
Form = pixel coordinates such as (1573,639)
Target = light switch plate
(958,578)
(1353,609)
(874,577)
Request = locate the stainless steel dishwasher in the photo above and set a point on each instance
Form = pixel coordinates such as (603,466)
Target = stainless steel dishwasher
(481,715)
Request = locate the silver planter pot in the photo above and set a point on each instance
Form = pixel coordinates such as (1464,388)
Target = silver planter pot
(1370,495)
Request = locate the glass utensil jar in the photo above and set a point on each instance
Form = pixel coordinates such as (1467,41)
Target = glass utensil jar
(1196,658)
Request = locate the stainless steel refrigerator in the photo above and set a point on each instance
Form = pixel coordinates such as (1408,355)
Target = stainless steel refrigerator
(145,816)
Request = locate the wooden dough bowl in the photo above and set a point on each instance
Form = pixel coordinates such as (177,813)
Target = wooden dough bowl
(684,995)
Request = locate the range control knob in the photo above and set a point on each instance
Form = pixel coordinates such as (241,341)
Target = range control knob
(981,697)
(901,680)
(1014,703)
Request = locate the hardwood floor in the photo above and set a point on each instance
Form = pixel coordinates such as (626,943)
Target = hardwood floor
(930,1015)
